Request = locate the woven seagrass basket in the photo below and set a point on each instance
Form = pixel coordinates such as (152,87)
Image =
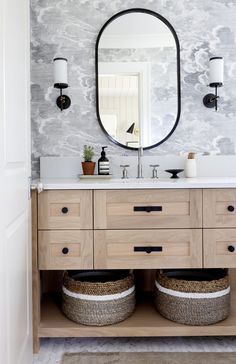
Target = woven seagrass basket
(98,298)
(193,297)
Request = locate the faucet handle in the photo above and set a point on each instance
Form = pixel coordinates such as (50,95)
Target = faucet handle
(124,172)
(154,171)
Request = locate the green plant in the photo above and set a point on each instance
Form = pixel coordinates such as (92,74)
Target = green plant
(88,153)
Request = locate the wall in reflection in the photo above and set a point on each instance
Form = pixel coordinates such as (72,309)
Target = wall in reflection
(159,65)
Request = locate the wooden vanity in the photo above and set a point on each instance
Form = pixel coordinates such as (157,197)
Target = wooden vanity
(139,229)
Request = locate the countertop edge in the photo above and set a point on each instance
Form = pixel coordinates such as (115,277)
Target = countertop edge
(115,185)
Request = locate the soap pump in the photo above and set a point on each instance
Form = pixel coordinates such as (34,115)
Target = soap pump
(103,163)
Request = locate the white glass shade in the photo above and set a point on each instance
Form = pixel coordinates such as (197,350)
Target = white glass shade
(216,71)
(60,72)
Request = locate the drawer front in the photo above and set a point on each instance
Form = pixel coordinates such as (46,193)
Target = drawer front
(65,210)
(137,209)
(219,248)
(219,208)
(114,249)
(65,249)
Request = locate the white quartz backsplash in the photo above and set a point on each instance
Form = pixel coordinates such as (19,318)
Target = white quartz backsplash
(207,166)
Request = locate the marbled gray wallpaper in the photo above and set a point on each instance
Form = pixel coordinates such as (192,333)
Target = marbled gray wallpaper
(69,28)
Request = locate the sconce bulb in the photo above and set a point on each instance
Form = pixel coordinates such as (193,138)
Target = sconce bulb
(216,65)
(60,73)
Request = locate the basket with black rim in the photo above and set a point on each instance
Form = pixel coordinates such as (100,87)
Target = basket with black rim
(193,296)
(98,298)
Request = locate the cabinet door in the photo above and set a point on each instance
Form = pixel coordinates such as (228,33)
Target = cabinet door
(65,209)
(219,248)
(65,249)
(219,208)
(145,249)
(131,209)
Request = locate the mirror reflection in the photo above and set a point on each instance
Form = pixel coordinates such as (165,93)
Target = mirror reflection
(137,79)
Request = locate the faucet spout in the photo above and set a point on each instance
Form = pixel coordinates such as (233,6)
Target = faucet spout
(140,168)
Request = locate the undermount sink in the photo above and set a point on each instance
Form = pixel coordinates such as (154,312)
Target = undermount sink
(121,180)
(137,180)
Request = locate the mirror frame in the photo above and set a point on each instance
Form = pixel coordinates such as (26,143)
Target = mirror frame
(165,21)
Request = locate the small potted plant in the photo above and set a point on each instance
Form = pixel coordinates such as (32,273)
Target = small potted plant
(88,165)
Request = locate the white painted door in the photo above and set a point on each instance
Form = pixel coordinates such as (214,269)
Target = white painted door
(15,246)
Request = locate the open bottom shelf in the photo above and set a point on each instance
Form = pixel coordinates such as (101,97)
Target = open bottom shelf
(144,322)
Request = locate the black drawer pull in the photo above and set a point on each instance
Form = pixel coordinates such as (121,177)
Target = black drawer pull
(231,248)
(148,249)
(64,210)
(65,250)
(148,208)
(230,208)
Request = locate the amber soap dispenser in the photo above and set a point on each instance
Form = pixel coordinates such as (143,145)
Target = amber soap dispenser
(103,163)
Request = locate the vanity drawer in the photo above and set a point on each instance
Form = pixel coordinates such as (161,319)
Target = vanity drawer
(135,249)
(219,248)
(129,209)
(65,210)
(65,249)
(219,208)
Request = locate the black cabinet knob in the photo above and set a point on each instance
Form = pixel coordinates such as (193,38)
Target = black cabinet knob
(65,250)
(230,208)
(64,210)
(231,248)
(148,249)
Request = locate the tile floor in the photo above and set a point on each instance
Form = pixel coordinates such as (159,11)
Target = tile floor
(52,349)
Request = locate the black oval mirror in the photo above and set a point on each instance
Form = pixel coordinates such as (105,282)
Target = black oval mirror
(138,79)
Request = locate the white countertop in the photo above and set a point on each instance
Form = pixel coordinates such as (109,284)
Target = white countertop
(133,183)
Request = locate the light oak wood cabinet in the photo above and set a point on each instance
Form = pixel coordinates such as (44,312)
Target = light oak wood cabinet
(119,249)
(147,209)
(129,229)
(62,249)
(65,210)
(219,233)
(219,208)
(219,248)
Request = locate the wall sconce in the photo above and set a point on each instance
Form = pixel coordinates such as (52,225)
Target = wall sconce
(61,82)
(216,80)
(133,130)
(130,130)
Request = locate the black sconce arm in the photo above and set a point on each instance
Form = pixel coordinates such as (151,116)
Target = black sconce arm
(63,101)
(211,100)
